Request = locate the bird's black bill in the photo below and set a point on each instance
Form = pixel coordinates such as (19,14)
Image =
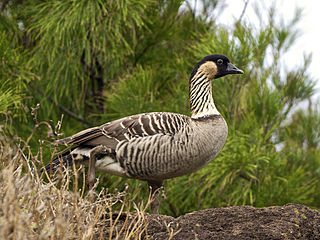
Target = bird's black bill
(231,69)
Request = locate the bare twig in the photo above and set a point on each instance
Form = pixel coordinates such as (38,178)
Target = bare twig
(64,109)
(243,11)
(70,113)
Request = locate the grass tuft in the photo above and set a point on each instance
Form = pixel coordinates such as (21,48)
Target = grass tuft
(33,208)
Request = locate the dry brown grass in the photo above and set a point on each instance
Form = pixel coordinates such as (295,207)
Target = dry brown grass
(32,208)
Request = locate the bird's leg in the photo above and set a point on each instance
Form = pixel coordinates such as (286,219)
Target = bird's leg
(154,187)
(91,177)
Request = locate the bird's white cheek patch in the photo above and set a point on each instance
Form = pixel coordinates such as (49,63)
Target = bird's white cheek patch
(209,68)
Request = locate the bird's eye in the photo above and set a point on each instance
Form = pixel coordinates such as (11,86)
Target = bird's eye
(220,61)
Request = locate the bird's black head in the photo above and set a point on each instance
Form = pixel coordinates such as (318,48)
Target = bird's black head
(215,66)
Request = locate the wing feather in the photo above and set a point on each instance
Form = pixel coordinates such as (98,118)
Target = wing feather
(136,126)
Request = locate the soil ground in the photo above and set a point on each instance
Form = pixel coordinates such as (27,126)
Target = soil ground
(291,221)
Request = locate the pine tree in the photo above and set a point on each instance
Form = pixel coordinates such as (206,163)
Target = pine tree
(96,61)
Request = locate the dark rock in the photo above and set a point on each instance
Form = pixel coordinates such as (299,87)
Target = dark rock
(291,221)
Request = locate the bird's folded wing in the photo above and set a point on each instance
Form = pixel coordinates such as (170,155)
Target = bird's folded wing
(141,125)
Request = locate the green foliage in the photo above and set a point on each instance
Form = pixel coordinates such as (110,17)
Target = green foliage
(81,37)
(14,75)
(96,61)
(134,94)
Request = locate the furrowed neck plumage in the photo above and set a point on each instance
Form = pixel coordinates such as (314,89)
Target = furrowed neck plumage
(200,91)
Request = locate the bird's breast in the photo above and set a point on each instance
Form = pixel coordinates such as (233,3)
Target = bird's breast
(209,138)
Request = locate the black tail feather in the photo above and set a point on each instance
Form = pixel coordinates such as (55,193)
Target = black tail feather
(64,161)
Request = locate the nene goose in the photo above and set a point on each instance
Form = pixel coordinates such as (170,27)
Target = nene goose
(159,145)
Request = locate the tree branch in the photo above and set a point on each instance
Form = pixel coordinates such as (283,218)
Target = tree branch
(4,4)
(243,10)
(68,112)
